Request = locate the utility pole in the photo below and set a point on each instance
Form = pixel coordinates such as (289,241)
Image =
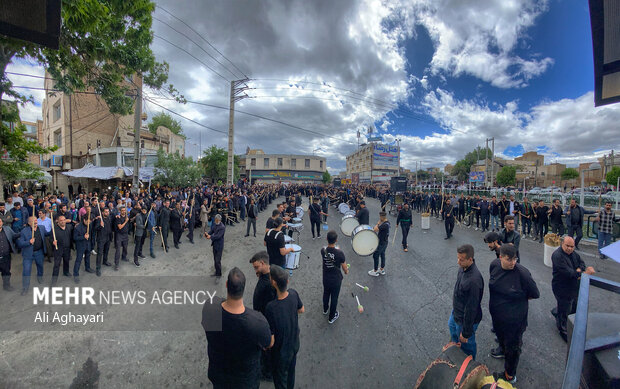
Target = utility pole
(492,159)
(486,164)
(398,141)
(236,87)
(70,134)
(137,123)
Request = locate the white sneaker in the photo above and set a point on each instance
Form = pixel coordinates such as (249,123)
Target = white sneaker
(373,273)
(336,316)
(476,228)
(94,252)
(382,272)
(326,312)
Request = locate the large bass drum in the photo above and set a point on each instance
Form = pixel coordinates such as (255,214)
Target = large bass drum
(364,240)
(348,224)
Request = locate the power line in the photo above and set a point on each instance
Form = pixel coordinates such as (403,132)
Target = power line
(200,47)
(268,119)
(191,55)
(203,38)
(150,100)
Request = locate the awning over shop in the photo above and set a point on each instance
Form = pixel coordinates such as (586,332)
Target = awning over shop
(109,173)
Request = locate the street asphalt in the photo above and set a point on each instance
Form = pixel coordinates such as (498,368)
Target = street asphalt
(402,329)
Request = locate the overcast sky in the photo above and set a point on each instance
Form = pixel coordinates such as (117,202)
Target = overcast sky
(441,75)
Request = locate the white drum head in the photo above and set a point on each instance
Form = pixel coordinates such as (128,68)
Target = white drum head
(300,212)
(364,240)
(296,248)
(348,224)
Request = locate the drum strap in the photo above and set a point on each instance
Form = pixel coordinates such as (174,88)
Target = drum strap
(275,237)
(459,376)
(494,386)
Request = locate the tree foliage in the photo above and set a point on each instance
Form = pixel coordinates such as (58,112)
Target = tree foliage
(163,119)
(327,178)
(423,175)
(463,166)
(18,147)
(215,164)
(612,176)
(569,173)
(506,176)
(176,170)
(103,45)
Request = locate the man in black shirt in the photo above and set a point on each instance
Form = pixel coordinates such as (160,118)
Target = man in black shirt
(274,241)
(291,212)
(263,294)
(282,315)
(333,261)
(363,217)
(234,352)
(542,218)
(104,237)
(510,287)
(315,217)
(509,234)
(271,221)
(448,211)
(62,247)
(567,269)
(466,310)
(555,217)
(492,239)
(404,220)
(121,228)
(252,215)
(7,246)
(382,228)
(484,213)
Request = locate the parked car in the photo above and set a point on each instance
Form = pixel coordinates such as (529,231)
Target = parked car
(534,190)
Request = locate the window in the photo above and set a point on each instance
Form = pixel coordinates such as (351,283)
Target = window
(58,138)
(321,164)
(266,162)
(253,162)
(57,112)
(279,162)
(307,163)
(293,163)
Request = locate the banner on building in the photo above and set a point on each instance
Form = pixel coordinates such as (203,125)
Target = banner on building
(385,155)
(476,177)
(355,178)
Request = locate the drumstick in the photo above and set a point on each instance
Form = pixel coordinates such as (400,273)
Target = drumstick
(32,227)
(360,308)
(161,235)
(99,208)
(88,225)
(363,287)
(54,232)
(147,217)
(394,239)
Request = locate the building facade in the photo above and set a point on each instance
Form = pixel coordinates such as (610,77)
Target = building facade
(255,165)
(374,162)
(85,131)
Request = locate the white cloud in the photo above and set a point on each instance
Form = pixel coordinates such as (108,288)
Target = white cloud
(30,111)
(478,38)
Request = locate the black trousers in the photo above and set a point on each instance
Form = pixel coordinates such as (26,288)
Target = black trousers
(176,236)
(485,221)
(567,305)
(557,228)
(510,336)
(317,224)
(217,261)
(284,372)
(405,230)
(331,291)
(63,255)
(137,250)
(121,244)
(164,235)
(379,253)
(252,222)
(449,224)
(543,229)
(190,230)
(478,220)
(5,265)
(103,247)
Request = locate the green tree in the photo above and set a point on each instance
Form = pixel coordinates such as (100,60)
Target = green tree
(612,176)
(506,176)
(461,170)
(423,175)
(569,173)
(18,147)
(462,167)
(327,178)
(103,45)
(176,170)
(215,164)
(163,119)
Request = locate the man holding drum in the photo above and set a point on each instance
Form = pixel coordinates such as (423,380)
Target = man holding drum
(274,241)
(383,231)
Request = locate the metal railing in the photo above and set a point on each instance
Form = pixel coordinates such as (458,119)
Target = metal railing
(578,345)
